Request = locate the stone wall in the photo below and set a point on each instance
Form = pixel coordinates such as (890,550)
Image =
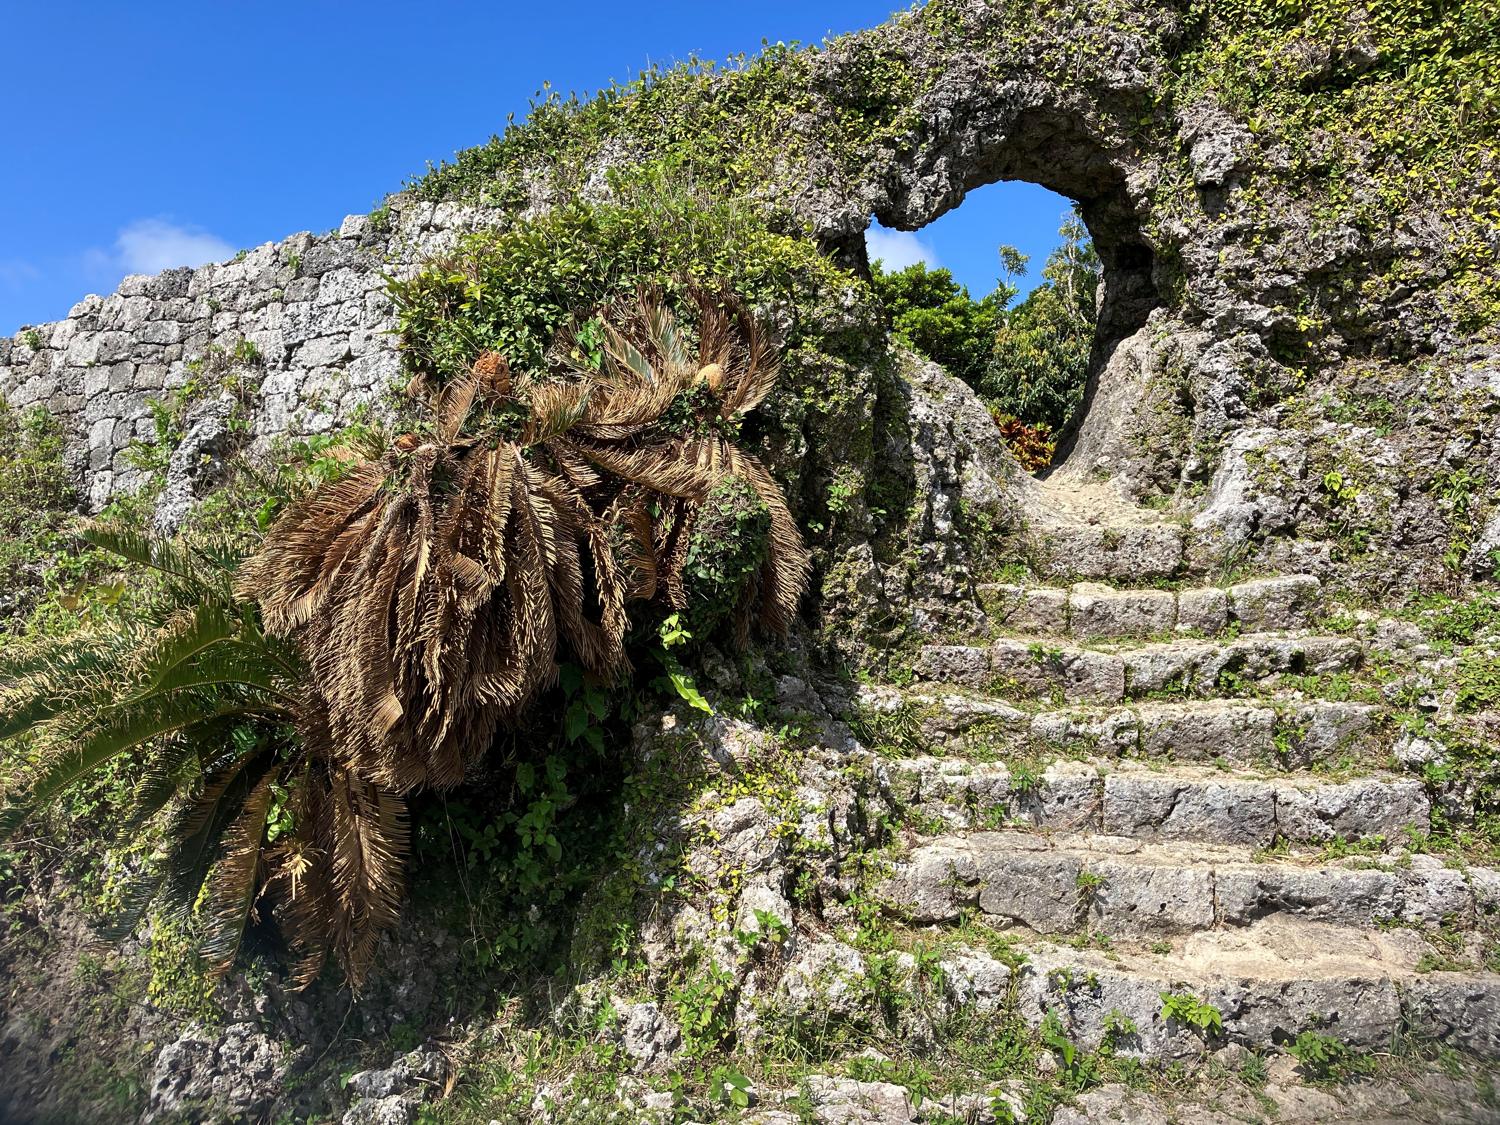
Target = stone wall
(314,307)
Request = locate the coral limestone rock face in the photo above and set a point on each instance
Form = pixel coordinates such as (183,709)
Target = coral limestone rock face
(1176,759)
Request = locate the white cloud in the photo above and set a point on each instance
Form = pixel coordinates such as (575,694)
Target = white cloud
(153,245)
(897,249)
(16,274)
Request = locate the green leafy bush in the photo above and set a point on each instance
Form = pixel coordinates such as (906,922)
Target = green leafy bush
(727,547)
(1190,1011)
(514,291)
(1029,363)
(935,315)
(36,499)
(1327,1058)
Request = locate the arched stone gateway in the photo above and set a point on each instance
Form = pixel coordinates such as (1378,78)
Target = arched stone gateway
(1179,761)
(1225,227)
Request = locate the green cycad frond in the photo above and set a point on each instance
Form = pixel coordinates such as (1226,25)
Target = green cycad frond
(39,681)
(202,701)
(184,638)
(234,883)
(196,833)
(168,774)
(190,576)
(91,739)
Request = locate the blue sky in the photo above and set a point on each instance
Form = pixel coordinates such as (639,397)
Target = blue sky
(142,136)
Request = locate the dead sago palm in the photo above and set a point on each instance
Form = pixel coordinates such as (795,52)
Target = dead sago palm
(406,610)
(432,591)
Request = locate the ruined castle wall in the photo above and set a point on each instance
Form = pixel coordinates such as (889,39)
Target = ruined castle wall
(314,307)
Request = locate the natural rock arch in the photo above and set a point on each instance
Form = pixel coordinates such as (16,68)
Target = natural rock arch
(1059,153)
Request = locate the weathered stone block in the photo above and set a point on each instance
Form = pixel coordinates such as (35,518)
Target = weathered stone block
(1284,602)
(1354,810)
(1360,898)
(1067,798)
(1238,733)
(1326,729)
(1204,609)
(1435,894)
(1038,890)
(954,664)
(1040,609)
(1139,899)
(1101,611)
(1162,667)
(1229,811)
(935,885)
(1080,675)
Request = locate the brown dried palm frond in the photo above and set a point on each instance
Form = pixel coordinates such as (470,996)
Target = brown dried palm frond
(336,881)
(735,357)
(430,592)
(646,366)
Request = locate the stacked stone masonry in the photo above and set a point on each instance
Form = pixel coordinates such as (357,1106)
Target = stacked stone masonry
(314,307)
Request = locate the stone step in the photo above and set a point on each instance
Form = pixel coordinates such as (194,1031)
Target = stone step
(1419,1093)
(1020,669)
(1091,611)
(1125,888)
(1291,733)
(1266,982)
(1123,554)
(1181,803)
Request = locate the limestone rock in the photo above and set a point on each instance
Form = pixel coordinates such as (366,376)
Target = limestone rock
(236,1070)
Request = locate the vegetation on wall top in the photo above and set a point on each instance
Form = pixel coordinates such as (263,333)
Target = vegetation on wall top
(1406,92)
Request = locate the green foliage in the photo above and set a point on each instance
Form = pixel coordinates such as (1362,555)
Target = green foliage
(513,291)
(727,546)
(197,702)
(1478,681)
(1038,363)
(1118,1027)
(1460,621)
(180,980)
(1326,1058)
(716,124)
(36,498)
(1189,1011)
(1411,110)
(729,1085)
(1078,1070)
(675,678)
(1029,363)
(935,315)
(704,1003)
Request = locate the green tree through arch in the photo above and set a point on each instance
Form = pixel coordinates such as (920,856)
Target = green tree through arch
(1028,362)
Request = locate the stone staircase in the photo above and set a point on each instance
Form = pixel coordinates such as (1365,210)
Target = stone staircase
(1136,793)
